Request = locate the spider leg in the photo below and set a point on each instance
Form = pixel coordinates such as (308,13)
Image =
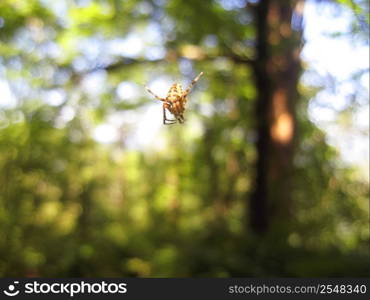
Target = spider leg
(157,97)
(181,118)
(165,120)
(192,84)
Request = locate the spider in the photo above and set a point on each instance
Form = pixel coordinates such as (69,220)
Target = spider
(175,101)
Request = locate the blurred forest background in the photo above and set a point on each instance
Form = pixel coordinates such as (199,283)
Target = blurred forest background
(92,183)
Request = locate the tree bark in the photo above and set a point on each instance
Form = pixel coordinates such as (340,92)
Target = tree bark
(276,72)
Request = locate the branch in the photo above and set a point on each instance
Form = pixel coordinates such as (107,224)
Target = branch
(190,52)
(123,62)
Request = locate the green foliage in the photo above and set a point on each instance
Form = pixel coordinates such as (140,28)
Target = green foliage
(70,206)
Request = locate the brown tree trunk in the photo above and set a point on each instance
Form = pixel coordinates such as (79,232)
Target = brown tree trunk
(276,70)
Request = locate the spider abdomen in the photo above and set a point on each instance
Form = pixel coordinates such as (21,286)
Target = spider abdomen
(175,97)
(175,90)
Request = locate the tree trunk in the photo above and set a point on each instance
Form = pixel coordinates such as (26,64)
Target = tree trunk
(276,70)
